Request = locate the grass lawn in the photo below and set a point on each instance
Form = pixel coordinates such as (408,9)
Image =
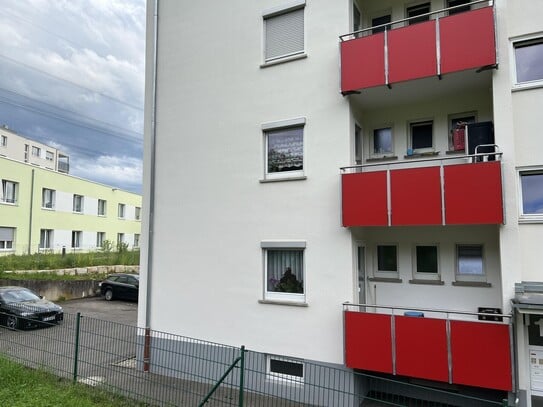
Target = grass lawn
(23,387)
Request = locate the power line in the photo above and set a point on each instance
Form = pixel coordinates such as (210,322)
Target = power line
(14,61)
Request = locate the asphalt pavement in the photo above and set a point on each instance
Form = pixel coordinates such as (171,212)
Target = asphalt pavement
(123,312)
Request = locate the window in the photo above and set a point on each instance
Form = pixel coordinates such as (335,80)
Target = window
(382,142)
(377,21)
(102,207)
(357,145)
(6,238)
(460,9)
(100,238)
(284,271)
(120,238)
(284,32)
(78,203)
(77,237)
(469,262)
(529,60)
(3,141)
(136,240)
(421,136)
(48,198)
(457,130)
(283,369)
(387,261)
(137,213)
(36,151)
(120,211)
(26,152)
(426,262)
(531,190)
(46,238)
(418,10)
(9,191)
(49,156)
(284,146)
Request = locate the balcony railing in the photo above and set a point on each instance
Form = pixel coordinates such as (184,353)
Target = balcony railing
(444,44)
(446,191)
(455,347)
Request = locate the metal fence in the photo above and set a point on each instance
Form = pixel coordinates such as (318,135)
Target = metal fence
(162,369)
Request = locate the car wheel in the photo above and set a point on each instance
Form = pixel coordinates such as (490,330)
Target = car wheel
(12,322)
(108,295)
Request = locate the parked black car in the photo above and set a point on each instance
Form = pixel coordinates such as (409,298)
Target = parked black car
(21,308)
(120,286)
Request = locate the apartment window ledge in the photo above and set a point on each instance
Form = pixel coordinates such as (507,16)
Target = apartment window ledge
(77,213)
(48,209)
(283,60)
(384,158)
(278,302)
(385,279)
(471,284)
(526,86)
(265,180)
(427,282)
(455,152)
(526,220)
(9,203)
(422,155)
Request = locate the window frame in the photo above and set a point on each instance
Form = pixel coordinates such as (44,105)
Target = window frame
(7,245)
(13,198)
(456,116)
(36,151)
(121,211)
(43,200)
(293,6)
(137,213)
(137,237)
(77,238)
(386,273)
(276,296)
(276,127)
(465,4)
(536,39)
(419,123)
(284,377)
(528,217)
(470,277)
(102,207)
(100,238)
(120,238)
(387,154)
(78,202)
(416,19)
(49,155)
(420,275)
(3,141)
(46,239)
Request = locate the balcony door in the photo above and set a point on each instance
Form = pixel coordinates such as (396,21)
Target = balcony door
(361,271)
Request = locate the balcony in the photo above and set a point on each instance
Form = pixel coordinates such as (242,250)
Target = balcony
(449,191)
(431,345)
(442,45)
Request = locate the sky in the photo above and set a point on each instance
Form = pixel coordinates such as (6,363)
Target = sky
(72,76)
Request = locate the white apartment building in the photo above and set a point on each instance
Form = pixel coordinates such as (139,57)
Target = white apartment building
(354,183)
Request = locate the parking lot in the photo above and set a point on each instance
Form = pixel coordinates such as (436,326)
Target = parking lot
(123,312)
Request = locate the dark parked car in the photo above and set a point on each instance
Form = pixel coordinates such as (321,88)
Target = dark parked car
(120,286)
(23,308)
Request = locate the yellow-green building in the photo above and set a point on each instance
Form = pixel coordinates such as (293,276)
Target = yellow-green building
(46,210)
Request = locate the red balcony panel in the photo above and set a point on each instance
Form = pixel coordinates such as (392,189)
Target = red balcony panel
(363,62)
(473,193)
(368,341)
(412,52)
(364,199)
(481,355)
(467,40)
(416,196)
(421,348)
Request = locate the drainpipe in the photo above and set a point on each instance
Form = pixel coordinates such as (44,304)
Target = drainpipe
(31,213)
(152,174)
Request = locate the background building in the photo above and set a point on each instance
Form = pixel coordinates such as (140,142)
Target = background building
(399,170)
(46,210)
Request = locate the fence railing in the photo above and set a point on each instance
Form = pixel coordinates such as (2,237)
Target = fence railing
(183,371)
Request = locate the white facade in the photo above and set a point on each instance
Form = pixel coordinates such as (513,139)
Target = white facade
(218,101)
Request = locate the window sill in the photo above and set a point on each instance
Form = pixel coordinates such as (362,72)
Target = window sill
(426,282)
(45,208)
(279,302)
(455,152)
(527,220)
(471,284)
(422,155)
(266,180)
(284,60)
(77,213)
(383,158)
(385,279)
(9,203)
(527,86)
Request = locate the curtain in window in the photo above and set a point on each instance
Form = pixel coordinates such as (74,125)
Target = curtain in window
(285,271)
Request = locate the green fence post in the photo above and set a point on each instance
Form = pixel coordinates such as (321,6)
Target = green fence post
(241,375)
(76,350)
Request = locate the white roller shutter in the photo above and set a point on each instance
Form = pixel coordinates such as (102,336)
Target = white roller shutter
(6,234)
(284,34)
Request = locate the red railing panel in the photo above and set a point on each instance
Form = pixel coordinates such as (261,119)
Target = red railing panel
(363,62)
(473,193)
(416,196)
(368,341)
(412,52)
(364,199)
(421,348)
(481,355)
(467,40)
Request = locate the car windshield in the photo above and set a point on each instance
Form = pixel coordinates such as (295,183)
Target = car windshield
(18,296)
